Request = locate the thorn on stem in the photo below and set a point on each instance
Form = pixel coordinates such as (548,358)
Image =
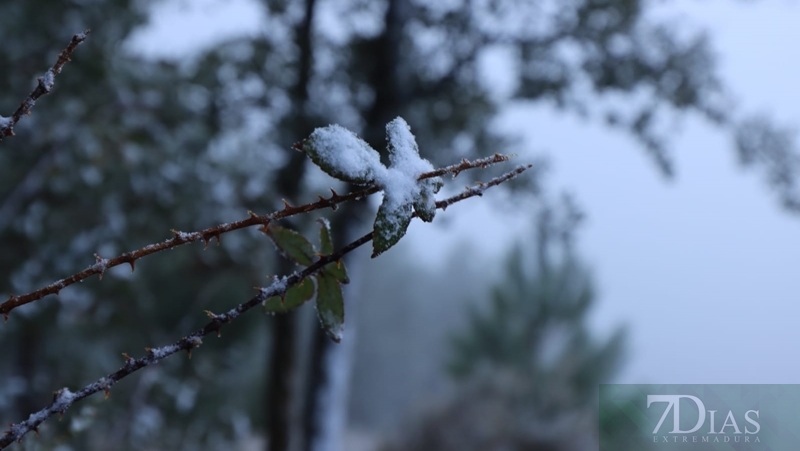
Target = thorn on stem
(133,265)
(100,260)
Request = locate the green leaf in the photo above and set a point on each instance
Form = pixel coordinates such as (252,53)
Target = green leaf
(337,271)
(293,245)
(295,297)
(404,156)
(390,225)
(334,269)
(343,155)
(425,206)
(433,184)
(330,306)
(325,241)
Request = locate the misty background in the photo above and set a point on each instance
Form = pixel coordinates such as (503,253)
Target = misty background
(179,114)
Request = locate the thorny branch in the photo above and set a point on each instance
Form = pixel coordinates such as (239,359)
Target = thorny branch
(208,234)
(64,398)
(43,87)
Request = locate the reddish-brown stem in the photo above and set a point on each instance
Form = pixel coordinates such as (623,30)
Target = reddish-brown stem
(44,85)
(64,398)
(206,235)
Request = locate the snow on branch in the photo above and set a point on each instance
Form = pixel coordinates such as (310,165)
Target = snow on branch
(206,235)
(44,85)
(63,399)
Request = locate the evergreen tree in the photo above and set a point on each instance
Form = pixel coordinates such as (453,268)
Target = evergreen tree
(526,365)
(535,324)
(123,150)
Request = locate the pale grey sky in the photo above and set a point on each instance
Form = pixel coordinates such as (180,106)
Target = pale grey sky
(703,269)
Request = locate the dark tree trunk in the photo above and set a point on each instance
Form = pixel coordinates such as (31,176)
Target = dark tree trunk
(282,368)
(322,406)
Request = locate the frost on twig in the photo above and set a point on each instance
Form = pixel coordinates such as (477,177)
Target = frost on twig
(64,398)
(181,238)
(44,86)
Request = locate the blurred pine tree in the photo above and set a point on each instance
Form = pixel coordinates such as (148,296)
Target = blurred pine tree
(526,365)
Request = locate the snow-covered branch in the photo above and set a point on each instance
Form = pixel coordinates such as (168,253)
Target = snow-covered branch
(44,85)
(206,235)
(63,399)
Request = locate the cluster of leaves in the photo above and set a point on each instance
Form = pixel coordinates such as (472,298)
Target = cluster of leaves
(403,193)
(329,280)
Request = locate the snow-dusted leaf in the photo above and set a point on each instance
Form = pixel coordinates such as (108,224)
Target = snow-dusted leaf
(292,244)
(390,225)
(425,206)
(325,240)
(402,144)
(337,271)
(433,184)
(400,182)
(295,297)
(343,155)
(330,306)
(403,149)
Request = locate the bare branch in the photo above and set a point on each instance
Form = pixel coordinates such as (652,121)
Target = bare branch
(64,398)
(206,235)
(43,87)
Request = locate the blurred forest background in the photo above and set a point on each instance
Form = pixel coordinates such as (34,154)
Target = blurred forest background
(469,356)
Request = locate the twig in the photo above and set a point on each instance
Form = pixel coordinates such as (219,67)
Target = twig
(465,164)
(43,87)
(206,235)
(64,398)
